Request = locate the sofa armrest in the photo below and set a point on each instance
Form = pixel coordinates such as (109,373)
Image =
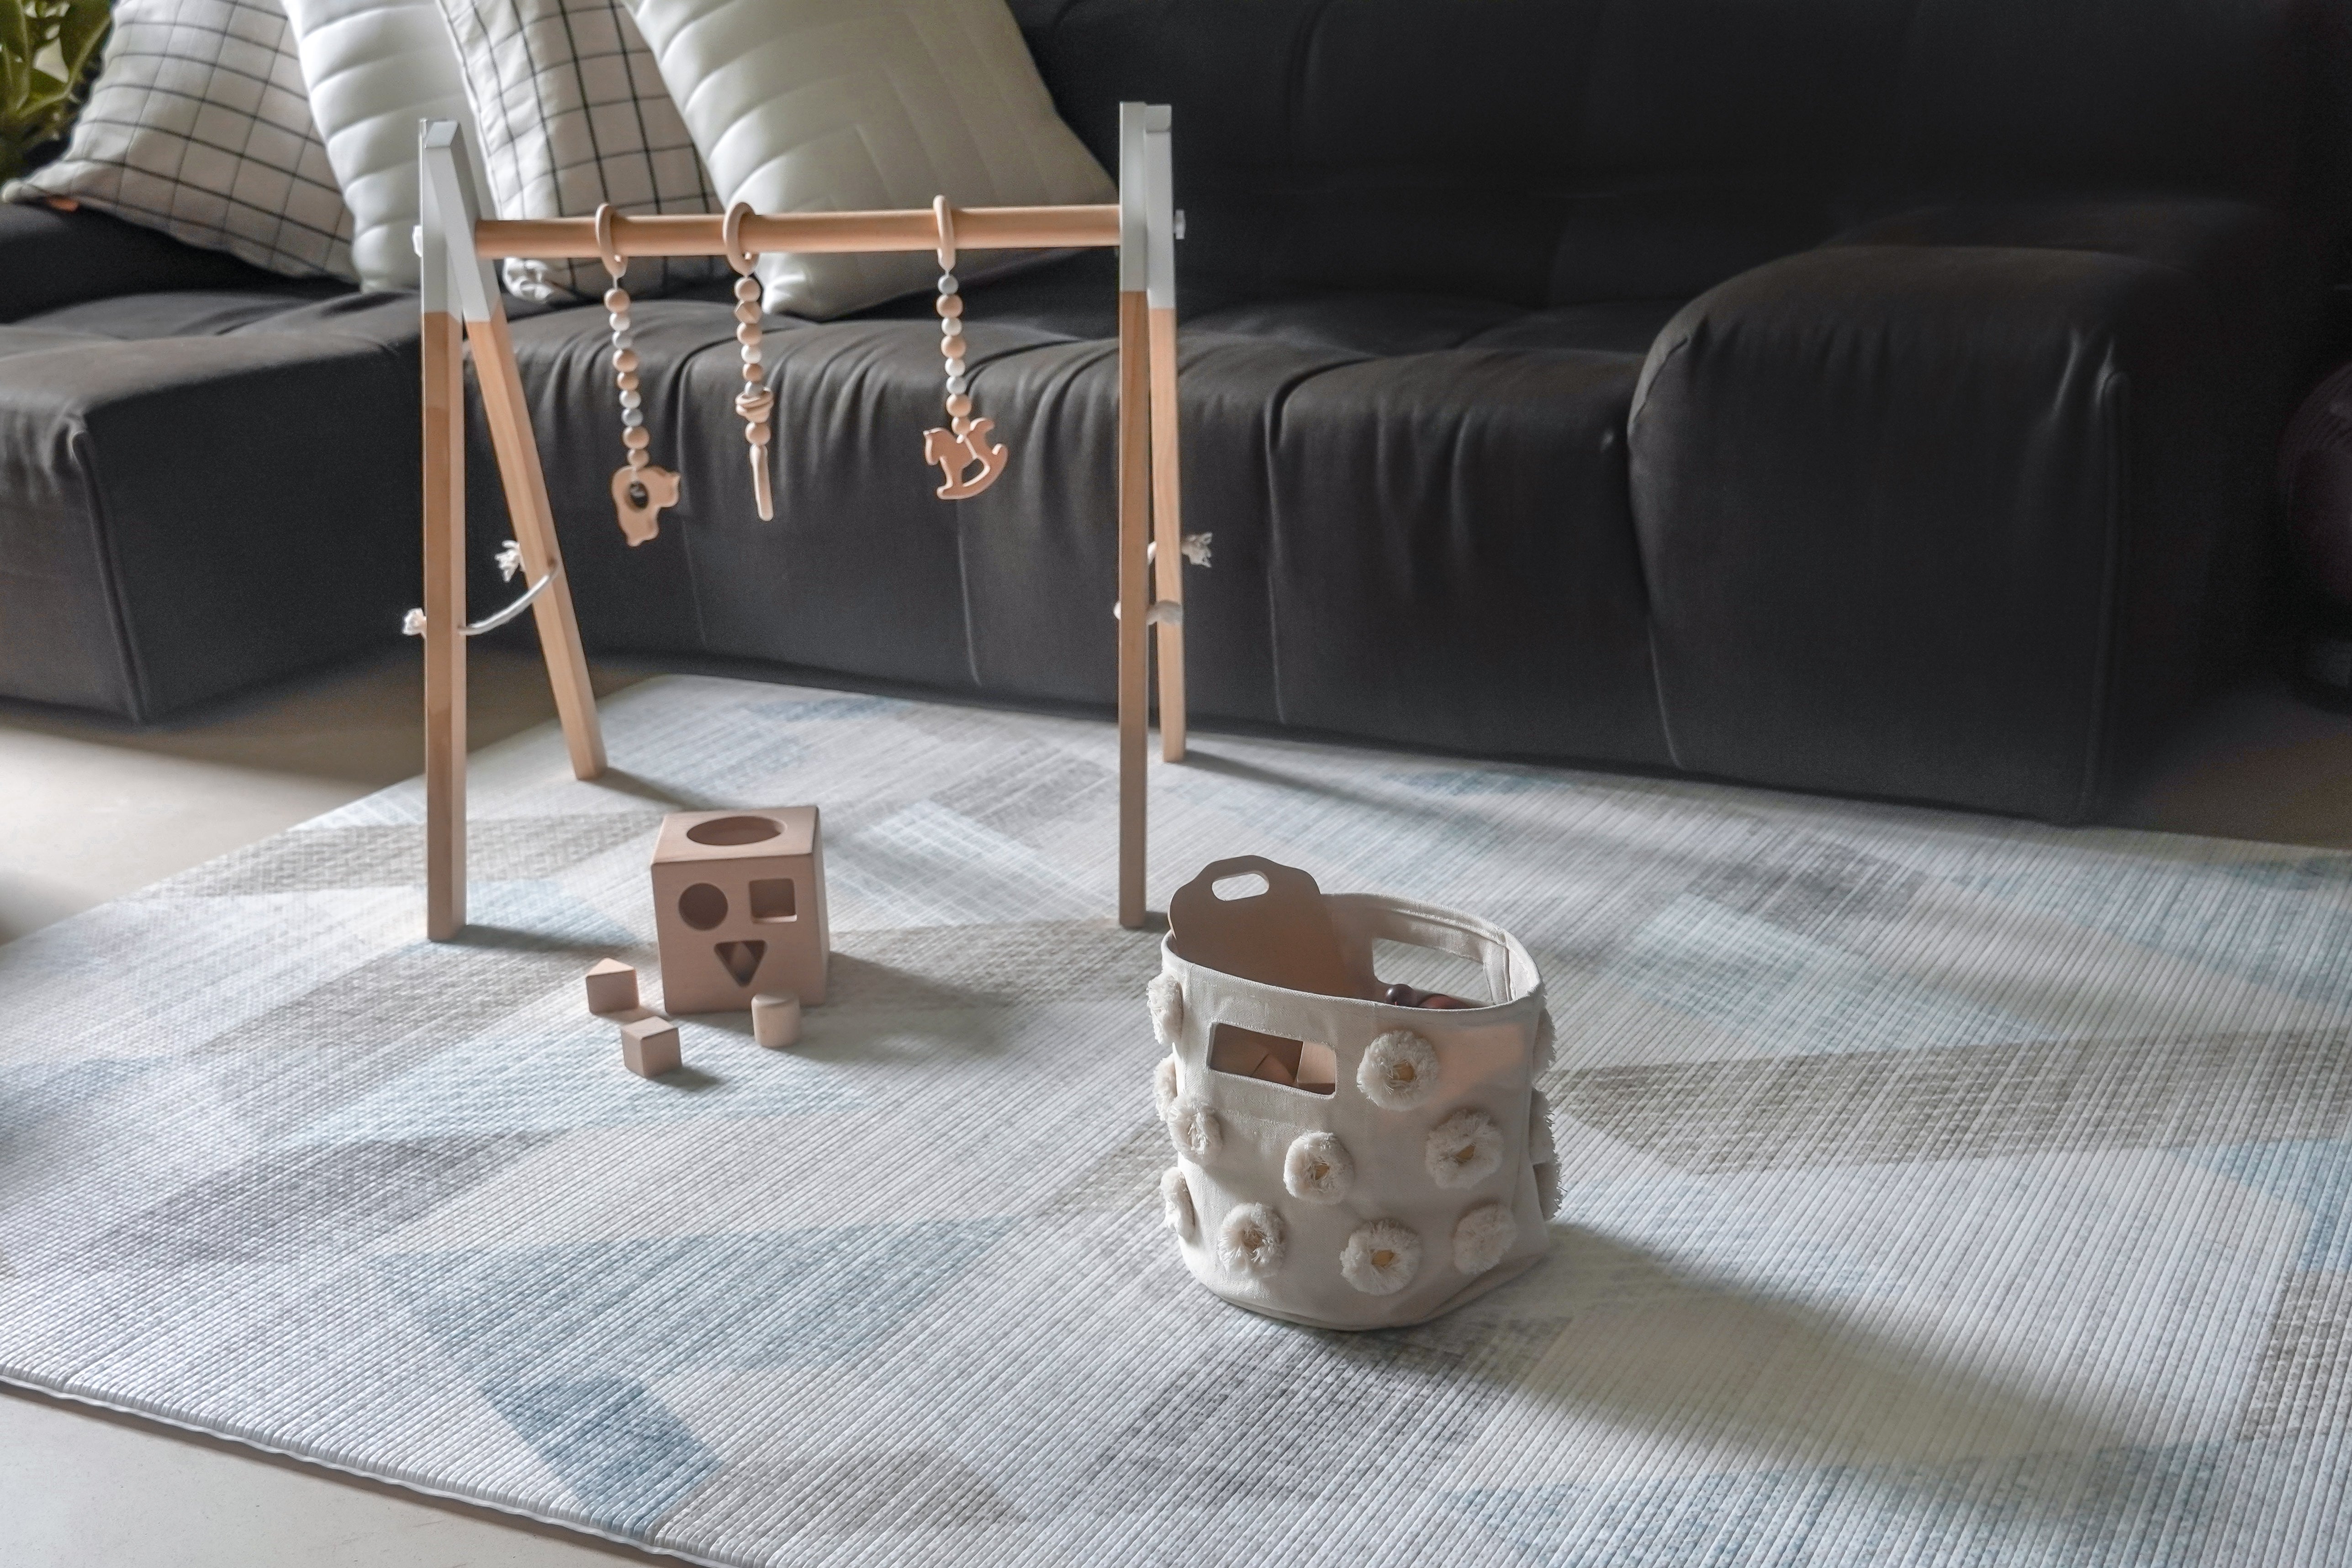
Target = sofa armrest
(1948,517)
(49,258)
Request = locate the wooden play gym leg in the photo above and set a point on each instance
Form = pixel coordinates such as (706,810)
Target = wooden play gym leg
(1134,595)
(508,417)
(445,627)
(1167,533)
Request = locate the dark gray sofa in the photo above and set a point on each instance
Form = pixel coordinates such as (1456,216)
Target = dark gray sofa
(1844,394)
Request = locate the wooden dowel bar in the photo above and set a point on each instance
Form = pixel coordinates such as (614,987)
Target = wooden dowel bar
(976,228)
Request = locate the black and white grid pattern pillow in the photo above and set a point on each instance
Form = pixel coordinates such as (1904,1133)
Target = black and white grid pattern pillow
(574,114)
(198,125)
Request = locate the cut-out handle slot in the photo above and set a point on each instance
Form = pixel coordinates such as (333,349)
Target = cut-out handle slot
(1304,1064)
(1247,885)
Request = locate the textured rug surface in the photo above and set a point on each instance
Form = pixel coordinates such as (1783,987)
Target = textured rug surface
(1936,1189)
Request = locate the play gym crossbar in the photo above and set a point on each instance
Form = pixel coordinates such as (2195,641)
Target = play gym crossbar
(461,307)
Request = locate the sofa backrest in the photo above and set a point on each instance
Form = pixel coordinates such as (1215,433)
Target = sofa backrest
(1557,151)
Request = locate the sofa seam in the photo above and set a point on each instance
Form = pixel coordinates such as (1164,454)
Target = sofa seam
(1640,553)
(131,666)
(1279,405)
(2115,388)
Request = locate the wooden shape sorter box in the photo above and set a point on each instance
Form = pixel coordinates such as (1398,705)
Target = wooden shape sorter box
(739,908)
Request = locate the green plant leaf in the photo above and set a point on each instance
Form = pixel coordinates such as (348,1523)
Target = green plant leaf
(37,104)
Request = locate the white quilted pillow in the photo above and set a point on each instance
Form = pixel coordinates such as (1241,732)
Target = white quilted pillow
(375,68)
(843,105)
(574,114)
(198,125)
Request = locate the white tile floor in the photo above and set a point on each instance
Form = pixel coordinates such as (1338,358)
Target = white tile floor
(95,810)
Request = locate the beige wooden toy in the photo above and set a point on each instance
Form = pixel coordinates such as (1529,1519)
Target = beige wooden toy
(738,905)
(461,305)
(612,987)
(649,1046)
(776,1020)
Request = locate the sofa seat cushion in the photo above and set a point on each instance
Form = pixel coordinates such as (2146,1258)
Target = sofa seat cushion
(1419,506)
(202,491)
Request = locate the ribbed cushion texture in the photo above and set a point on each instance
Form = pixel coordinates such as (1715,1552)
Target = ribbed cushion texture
(375,69)
(198,126)
(572,114)
(853,105)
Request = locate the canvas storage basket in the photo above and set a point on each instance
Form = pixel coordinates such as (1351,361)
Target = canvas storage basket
(1402,1192)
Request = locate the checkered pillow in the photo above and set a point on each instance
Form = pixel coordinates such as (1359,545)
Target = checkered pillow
(574,114)
(198,126)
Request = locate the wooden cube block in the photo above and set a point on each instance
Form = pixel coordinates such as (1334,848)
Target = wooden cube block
(649,1046)
(738,905)
(776,1020)
(612,987)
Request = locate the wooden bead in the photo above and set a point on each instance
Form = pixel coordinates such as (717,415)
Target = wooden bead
(747,313)
(616,299)
(753,371)
(951,348)
(959,406)
(950,305)
(748,333)
(626,360)
(627,380)
(747,287)
(635,439)
(639,456)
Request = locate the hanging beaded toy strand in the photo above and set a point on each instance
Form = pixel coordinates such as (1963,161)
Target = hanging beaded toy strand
(756,401)
(640,490)
(965,442)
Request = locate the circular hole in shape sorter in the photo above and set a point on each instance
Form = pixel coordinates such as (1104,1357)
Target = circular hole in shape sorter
(725,830)
(702,906)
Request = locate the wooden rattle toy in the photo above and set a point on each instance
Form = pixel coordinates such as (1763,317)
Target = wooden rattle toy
(755,402)
(640,490)
(966,440)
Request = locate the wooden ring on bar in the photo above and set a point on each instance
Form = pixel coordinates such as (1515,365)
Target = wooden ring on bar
(730,236)
(945,217)
(614,262)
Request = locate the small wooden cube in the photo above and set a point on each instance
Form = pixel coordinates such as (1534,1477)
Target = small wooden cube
(649,1047)
(612,987)
(776,1019)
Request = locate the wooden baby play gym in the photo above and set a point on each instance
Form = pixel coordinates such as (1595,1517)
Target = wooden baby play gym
(462,307)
